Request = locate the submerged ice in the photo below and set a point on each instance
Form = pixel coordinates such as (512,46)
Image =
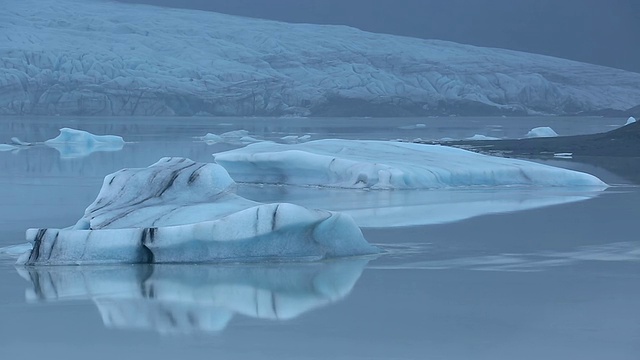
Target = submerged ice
(387,165)
(177,210)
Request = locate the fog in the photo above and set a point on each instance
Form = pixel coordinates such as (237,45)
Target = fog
(604,32)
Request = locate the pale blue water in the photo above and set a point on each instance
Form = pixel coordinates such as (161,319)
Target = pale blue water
(553,282)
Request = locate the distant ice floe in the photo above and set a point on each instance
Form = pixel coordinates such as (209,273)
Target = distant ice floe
(387,165)
(182,299)
(237,137)
(177,210)
(482,137)
(543,131)
(72,143)
(413,127)
(564,155)
(8,147)
(630,120)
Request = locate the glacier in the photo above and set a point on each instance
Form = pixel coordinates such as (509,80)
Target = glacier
(368,164)
(182,299)
(94,57)
(177,211)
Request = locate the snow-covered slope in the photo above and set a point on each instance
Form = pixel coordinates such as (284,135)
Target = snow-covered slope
(94,57)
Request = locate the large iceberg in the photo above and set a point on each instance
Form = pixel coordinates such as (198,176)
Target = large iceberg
(387,165)
(177,210)
(199,298)
(92,57)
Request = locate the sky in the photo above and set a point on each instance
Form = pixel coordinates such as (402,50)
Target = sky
(603,32)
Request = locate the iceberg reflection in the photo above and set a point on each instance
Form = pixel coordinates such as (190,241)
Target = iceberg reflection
(195,298)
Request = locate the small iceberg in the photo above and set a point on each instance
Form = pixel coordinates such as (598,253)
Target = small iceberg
(178,211)
(543,131)
(72,143)
(479,137)
(630,120)
(8,147)
(387,165)
(237,137)
(183,299)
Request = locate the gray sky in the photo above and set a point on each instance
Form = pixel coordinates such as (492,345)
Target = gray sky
(605,32)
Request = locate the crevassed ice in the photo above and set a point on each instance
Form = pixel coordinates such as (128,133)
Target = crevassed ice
(73,57)
(177,210)
(387,165)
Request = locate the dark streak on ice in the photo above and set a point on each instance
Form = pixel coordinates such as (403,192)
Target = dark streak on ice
(274,218)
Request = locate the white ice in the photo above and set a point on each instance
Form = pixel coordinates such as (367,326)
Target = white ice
(543,131)
(387,165)
(110,58)
(72,143)
(630,120)
(235,137)
(198,298)
(177,210)
(8,147)
(482,137)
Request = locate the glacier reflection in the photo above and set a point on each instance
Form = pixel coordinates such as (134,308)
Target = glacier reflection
(195,298)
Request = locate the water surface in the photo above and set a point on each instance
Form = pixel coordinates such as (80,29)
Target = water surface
(483,274)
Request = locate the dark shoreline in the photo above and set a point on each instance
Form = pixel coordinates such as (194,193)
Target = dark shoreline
(617,151)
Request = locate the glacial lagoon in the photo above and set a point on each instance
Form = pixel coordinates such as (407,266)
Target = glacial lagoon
(467,273)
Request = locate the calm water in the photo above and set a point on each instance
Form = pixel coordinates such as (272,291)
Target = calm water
(516,274)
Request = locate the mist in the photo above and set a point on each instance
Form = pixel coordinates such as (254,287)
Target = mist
(603,32)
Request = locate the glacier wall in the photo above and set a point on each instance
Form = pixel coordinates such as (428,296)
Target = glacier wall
(93,57)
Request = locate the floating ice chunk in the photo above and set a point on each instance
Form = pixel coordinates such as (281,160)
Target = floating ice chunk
(230,137)
(213,138)
(543,131)
(17,141)
(387,165)
(73,143)
(412,127)
(235,134)
(177,210)
(191,299)
(482,137)
(566,155)
(630,120)
(7,147)
(292,139)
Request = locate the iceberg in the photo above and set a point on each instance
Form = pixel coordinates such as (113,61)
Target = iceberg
(362,164)
(479,137)
(8,147)
(182,299)
(177,211)
(543,131)
(72,143)
(102,58)
(630,120)
(235,137)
